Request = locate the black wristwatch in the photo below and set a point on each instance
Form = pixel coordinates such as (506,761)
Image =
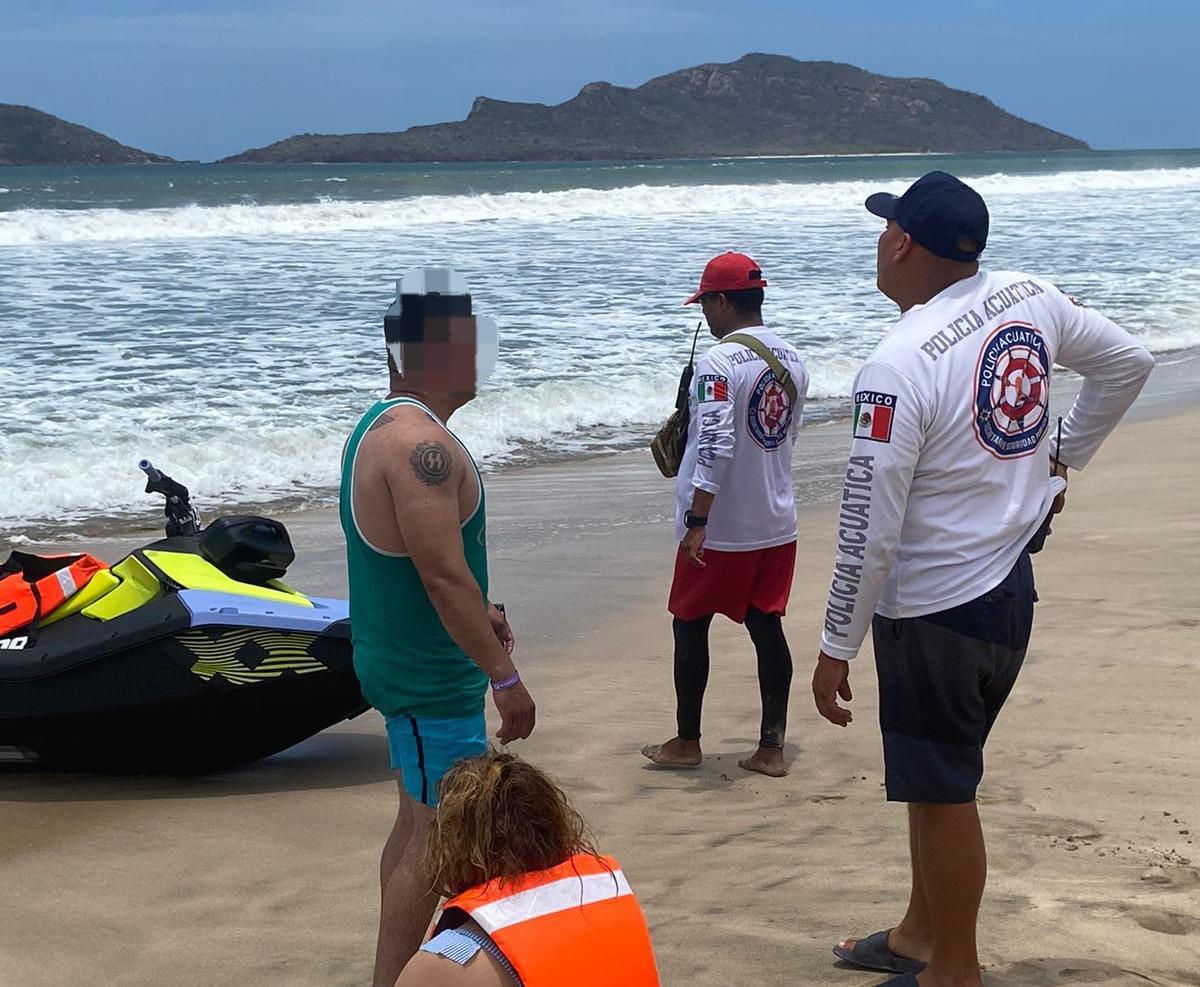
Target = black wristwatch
(691,520)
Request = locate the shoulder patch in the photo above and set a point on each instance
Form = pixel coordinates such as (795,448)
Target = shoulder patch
(768,412)
(1012,391)
(873,413)
(712,387)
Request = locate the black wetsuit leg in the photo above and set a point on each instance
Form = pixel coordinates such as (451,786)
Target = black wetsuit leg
(774,674)
(691,674)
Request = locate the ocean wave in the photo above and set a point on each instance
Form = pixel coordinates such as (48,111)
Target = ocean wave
(249,457)
(254,457)
(26,227)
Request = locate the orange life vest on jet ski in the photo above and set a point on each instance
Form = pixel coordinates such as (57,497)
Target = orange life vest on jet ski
(34,586)
(577,923)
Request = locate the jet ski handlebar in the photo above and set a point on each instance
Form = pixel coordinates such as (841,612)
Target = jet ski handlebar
(181,516)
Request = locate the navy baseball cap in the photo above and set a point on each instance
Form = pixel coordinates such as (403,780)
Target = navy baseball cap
(939,212)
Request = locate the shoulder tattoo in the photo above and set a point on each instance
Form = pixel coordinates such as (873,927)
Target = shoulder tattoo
(431,462)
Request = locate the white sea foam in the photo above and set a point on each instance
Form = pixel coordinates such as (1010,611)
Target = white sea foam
(18,541)
(257,453)
(25,227)
(261,453)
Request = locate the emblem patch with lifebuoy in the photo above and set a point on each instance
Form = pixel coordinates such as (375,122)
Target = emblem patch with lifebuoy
(769,412)
(1012,396)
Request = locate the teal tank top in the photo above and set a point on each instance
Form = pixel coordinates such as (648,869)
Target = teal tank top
(405,660)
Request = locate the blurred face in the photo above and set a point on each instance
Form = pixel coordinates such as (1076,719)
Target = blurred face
(443,360)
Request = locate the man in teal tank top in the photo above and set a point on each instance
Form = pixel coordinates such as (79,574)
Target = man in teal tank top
(427,643)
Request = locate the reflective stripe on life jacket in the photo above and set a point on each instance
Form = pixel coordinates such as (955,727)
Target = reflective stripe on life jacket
(577,923)
(34,586)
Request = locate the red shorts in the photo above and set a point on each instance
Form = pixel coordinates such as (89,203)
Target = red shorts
(733,582)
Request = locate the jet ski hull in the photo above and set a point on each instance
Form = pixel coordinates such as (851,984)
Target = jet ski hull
(191,682)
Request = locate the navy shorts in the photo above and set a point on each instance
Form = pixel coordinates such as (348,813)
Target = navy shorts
(943,679)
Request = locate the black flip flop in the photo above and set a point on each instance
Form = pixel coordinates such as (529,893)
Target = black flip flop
(904,980)
(872,953)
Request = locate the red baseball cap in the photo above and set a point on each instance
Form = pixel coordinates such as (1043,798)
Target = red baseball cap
(729,272)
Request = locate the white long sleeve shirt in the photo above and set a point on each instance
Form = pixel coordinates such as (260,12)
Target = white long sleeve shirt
(741,429)
(949,469)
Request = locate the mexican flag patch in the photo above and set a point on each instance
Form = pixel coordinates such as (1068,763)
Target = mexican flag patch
(873,411)
(712,387)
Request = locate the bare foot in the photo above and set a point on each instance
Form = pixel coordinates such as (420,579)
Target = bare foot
(766,761)
(675,753)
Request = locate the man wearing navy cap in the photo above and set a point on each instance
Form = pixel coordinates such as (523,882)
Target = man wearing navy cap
(952,477)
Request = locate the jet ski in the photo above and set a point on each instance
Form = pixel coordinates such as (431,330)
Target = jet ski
(188,655)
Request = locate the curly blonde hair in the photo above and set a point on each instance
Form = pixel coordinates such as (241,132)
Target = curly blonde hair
(498,818)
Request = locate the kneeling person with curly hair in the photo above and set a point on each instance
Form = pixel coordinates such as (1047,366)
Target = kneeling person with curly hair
(531,901)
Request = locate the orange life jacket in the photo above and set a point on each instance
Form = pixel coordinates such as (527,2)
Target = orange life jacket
(33,586)
(577,924)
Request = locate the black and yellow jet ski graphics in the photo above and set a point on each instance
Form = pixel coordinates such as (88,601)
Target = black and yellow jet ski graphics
(188,655)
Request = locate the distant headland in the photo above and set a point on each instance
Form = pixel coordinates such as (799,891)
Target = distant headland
(31,137)
(760,104)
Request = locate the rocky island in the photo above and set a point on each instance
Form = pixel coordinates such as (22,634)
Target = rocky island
(758,105)
(31,137)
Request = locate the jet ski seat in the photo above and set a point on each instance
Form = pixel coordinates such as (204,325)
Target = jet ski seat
(196,572)
(248,548)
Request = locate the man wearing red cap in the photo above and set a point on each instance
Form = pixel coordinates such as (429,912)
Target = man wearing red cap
(736,510)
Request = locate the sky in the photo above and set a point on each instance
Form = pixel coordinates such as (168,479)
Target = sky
(200,79)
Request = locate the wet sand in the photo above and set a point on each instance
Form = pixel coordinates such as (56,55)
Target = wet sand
(1091,803)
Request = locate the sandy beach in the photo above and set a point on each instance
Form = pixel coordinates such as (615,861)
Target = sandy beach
(1091,801)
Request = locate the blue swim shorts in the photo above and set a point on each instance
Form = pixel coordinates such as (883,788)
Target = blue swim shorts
(422,749)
